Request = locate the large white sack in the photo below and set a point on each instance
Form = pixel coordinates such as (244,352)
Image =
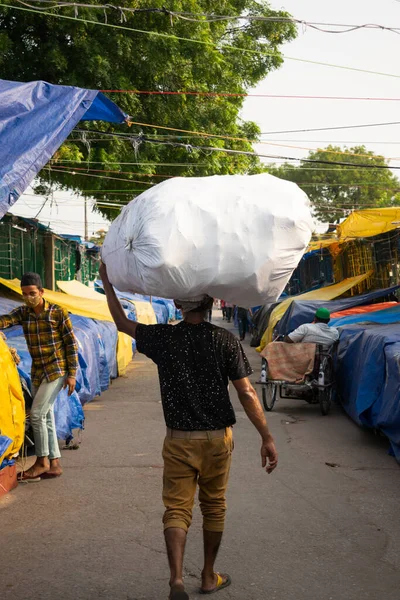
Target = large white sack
(236,237)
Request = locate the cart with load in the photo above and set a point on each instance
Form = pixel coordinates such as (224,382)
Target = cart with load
(297,371)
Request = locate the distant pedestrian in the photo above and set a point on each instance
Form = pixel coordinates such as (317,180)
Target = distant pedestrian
(53,348)
(195,362)
(242,316)
(228,311)
(223,308)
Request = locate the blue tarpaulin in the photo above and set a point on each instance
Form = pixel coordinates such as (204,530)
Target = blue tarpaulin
(300,312)
(163,309)
(35,119)
(368,377)
(388,315)
(5,442)
(97,343)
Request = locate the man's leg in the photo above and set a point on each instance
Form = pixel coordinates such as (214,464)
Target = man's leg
(179,488)
(213,481)
(212,542)
(43,401)
(175,540)
(54,448)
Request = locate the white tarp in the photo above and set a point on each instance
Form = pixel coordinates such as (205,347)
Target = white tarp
(236,237)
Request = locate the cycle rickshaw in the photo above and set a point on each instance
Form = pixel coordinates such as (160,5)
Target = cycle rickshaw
(317,387)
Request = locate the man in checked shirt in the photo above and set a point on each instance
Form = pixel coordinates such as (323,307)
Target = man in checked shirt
(53,348)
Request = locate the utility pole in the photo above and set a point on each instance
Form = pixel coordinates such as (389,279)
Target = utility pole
(86,220)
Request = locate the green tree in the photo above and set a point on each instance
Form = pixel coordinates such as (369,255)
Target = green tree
(335,190)
(70,52)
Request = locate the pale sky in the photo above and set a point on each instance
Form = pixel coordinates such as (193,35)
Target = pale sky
(373,50)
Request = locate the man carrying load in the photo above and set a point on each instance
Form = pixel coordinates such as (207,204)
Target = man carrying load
(195,361)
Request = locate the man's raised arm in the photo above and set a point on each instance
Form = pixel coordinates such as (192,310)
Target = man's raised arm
(117,312)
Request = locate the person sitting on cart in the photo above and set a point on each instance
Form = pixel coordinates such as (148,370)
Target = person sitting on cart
(317,332)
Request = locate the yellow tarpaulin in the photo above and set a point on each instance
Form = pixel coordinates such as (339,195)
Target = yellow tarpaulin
(12,406)
(319,244)
(326,293)
(77,288)
(93,309)
(144,311)
(367,223)
(359,224)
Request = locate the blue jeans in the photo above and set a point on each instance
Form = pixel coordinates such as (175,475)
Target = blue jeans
(42,418)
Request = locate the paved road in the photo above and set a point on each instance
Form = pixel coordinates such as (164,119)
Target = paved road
(309,531)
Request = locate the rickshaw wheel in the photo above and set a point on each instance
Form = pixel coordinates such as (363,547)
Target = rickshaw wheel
(325,394)
(269,393)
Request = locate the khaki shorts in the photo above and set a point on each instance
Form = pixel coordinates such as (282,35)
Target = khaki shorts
(188,462)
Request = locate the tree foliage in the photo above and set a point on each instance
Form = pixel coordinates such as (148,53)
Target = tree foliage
(70,52)
(99,237)
(335,190)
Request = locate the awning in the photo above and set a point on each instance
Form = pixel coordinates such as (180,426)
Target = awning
(35,119)
(368,223)
(359,224)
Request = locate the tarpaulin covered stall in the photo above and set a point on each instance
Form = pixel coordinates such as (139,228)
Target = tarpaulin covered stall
(148,312)
(12,406)
(322,294)
(369,222)
(143,309)
(35,119)
(390,314)
(359,224)
(367,376)
(366,308)
(303,311)
(160,309)
(93,309)
(97,342)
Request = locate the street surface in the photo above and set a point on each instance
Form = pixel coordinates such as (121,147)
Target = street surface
(309,531)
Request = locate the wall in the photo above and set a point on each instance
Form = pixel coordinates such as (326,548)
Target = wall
(26,245)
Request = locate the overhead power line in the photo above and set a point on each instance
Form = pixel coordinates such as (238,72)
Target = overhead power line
(319,183)
(205,134)
(204,17)
(80,174)
(110,162)
(203,43)
(139,139)
(330,141)
(202,94)
(330,128)
(55,166)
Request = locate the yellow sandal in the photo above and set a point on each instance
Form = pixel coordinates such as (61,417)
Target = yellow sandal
(221,584)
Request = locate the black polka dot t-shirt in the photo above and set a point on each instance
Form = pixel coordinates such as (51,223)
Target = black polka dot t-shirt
(195,364)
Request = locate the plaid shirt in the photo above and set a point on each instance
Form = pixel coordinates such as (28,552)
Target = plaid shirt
(50,339)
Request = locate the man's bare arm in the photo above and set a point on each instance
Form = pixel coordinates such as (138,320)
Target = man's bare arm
(117,312)
(252,407)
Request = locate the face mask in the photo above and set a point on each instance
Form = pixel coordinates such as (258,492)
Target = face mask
(32,301)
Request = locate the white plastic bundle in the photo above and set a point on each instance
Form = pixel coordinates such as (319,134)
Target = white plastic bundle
(236,237)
